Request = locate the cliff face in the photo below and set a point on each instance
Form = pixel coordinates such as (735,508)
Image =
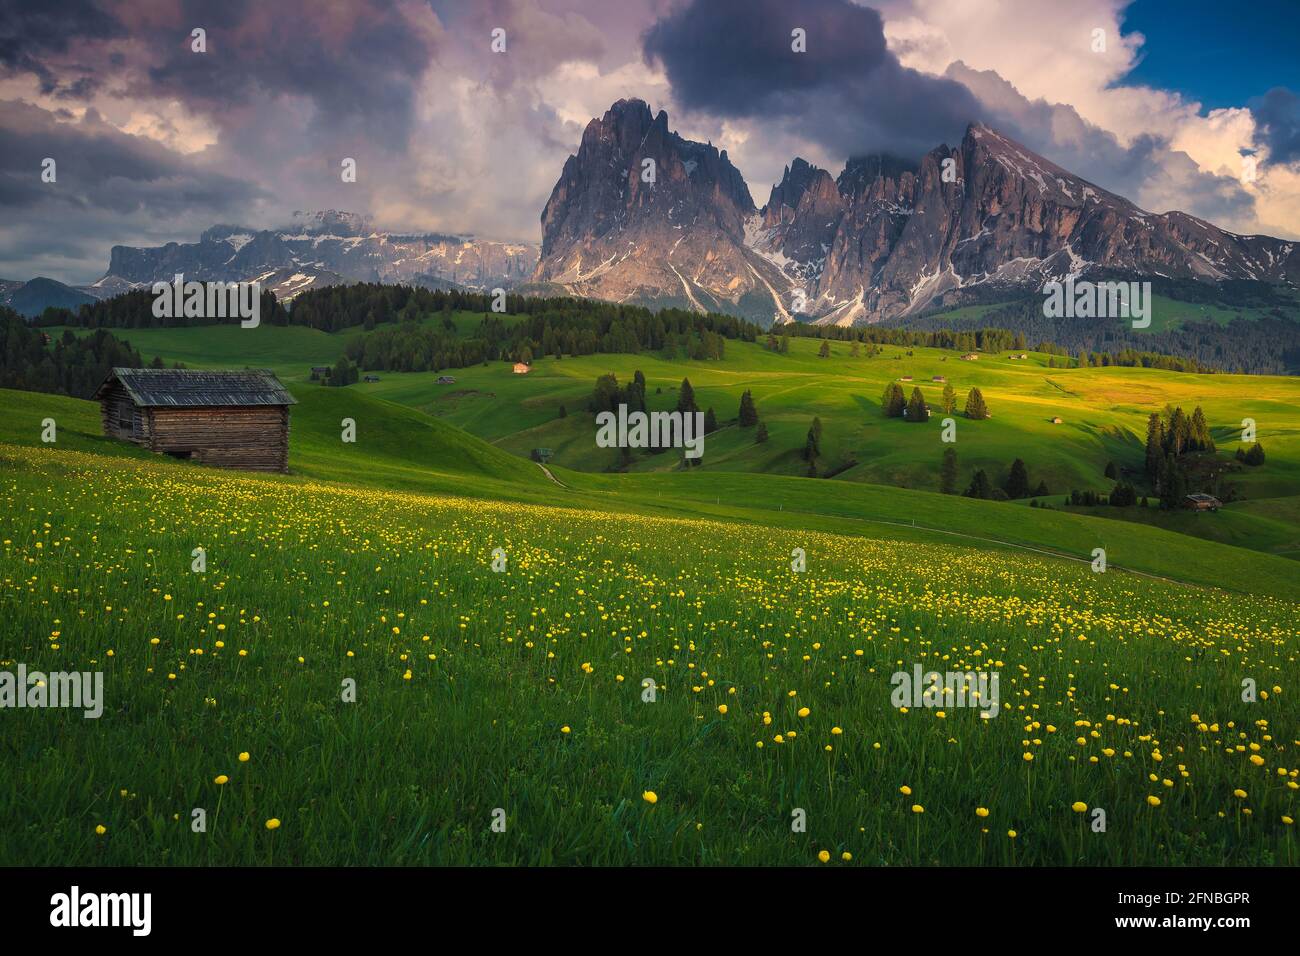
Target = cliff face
(885,238)
(676,240)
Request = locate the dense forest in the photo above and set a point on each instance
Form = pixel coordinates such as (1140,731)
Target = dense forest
(66,366)
(415,347)
(567,326)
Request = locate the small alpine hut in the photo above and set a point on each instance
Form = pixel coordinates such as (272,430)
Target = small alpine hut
(225,419)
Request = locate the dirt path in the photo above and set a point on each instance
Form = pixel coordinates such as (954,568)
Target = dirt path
(547,472)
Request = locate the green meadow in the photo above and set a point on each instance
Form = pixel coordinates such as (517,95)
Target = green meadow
(430,650)
(360,675)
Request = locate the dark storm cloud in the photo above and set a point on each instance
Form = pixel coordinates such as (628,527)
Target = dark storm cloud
(847,92)
(33,33)
(110,187)
(99,166)
(358,64)
(1277,124)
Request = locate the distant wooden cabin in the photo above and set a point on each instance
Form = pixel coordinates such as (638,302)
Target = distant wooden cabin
(225,419)
(521,368)
(319,372)
(938,378)
(970,357)
(1199,502)
(906,378)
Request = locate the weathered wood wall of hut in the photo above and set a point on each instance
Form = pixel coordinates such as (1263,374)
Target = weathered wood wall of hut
(122,418)
(253,437)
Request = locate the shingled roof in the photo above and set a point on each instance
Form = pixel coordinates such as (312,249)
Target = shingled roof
(176,387)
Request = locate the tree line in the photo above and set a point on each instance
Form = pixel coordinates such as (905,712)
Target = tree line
(68,365)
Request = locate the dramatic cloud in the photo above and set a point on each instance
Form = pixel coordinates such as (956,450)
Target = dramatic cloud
(846,91)
(1277,124)
(108,187)
(155,142)
(1146,170)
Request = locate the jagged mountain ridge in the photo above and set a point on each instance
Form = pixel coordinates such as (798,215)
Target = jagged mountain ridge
(320,249)
(679,240)
(885,238)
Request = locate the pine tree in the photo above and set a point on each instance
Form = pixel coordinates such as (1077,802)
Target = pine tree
(710,422)
(1255,456)
(1018,481)
(916,407)
(686,398)
(949,399)
(1202,440)
(1155,446)
(948,472)
(893,402)
(825,350)
(979,486)
(1111,471)
(760,436)
(975,407)
(812,448)
(748,413)
(636,393)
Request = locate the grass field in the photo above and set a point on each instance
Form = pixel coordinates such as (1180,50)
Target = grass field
(522,690)
(1103,409)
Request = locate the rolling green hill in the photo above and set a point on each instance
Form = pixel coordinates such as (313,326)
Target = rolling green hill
(398,448)
(1103,412)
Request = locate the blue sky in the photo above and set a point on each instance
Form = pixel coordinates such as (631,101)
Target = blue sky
(1218,52)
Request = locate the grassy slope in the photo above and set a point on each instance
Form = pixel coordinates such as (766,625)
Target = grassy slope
(400,448)
(1104,412)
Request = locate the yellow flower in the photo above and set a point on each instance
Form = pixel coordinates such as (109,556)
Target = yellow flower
(981,811)
(804,711)
(905,790)
(1028,756)
(1287,820)
(101,829)
(722,708)
(1012,834)
(273,823)
(917,808)
(824,856)
(221,780)
(650,797)
(1239,794)
(1154,801)
(836,731)
(564,729)
(1257,760)
(243,757)
(846,856)
(1078,806)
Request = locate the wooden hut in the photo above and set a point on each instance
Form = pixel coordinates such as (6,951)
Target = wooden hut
(226,419)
